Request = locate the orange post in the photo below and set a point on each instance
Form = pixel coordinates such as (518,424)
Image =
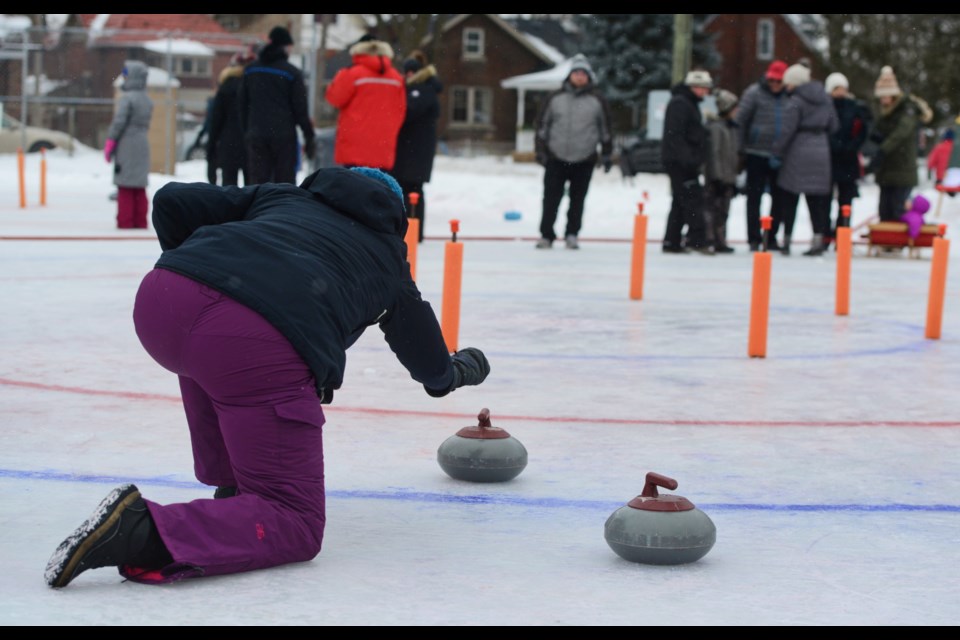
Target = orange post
(844,255)
(23,183)
(639,253)
(938,284)
(43,177)
(413,236)
(452,272)
(760,297)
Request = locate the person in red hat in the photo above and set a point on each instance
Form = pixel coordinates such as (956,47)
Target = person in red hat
(758,122)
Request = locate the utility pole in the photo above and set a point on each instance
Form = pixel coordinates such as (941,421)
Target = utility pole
(682,45)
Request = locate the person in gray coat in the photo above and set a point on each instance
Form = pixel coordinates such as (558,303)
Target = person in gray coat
(128,147)
(758,125)
(720,170)
(802,154)
(572,123)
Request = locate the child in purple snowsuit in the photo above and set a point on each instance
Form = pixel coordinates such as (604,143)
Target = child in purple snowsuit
(258,294)
(914,215)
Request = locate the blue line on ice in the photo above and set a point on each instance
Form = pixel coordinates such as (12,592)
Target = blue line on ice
(406,495)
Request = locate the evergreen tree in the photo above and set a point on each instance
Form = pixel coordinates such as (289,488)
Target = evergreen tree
(631,53)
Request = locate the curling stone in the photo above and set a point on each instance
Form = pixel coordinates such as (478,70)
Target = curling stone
(483,453)
(660,529)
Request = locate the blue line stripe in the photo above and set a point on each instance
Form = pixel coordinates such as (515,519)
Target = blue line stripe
(286,75)
(403,495)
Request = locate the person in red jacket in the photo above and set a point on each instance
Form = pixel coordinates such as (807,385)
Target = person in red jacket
(372,98)
(939,159)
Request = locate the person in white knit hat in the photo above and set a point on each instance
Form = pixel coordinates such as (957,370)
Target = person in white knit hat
(803,149)
(845,145)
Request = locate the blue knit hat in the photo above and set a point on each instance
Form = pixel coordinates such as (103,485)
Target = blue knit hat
(385,178)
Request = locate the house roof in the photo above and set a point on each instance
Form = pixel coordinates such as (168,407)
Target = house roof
(547,80)
(126,29)
(503,24)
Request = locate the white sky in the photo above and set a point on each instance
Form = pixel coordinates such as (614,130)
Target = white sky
(829,467)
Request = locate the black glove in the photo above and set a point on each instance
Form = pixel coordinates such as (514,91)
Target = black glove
(470,367)
(607,163)
(542,158)
(873,163)
(876,137)
(310,148)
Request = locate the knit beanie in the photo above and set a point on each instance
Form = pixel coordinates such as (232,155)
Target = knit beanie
(834,80)
(726,101)
(796,75)
(579,62)
(698,78)
(886,84)
(280,37)
(385,178)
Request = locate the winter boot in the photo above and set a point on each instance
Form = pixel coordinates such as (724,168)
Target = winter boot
(785,247)
(120,532)
(544,243)
(571,241)
(816,246)
(224,492)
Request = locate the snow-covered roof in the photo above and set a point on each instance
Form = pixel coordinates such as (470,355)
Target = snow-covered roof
(551,52)
(13,24)
(548,80)
(179,47)
(156,77)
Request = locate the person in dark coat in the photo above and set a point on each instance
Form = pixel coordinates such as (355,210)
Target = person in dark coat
(273,103)
(855,121)
(257,296)
(225,146)
(802,155)
(128,147)
(683,151)
(417,140)
(758,125)
(897,119)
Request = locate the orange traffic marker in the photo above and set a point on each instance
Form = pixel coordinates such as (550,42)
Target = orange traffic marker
(412,238)
(938,284)
(452,273)
(844,242)
(760,296)
(43,177)
(639,253)
(23,183)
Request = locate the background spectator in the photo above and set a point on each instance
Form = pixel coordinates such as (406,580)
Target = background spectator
(803,152)
(684,151)
(129,148)
(720,170)
(759,118)
(854,121)
(273,103)
(571,124)
(417,140)
(372,98)
(225,146)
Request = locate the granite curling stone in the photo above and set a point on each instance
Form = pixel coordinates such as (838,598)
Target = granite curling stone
(483,453)
(660,529)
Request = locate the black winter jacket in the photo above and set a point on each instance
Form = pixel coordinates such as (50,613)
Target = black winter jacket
(321,262)
(684,143)
(417,140)
(273,98)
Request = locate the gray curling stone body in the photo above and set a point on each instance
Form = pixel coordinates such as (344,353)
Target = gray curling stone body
(660,529)
(483,453)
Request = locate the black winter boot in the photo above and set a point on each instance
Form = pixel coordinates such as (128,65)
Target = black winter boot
(785,247)
(120,532)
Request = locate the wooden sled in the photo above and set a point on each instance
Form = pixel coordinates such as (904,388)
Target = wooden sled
(893,235)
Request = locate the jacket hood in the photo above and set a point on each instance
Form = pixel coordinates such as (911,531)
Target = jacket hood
(136,77)
(272,53)
(372,48)
(423,75)
(366,200)
(812,92)
(920,204)
(232,71)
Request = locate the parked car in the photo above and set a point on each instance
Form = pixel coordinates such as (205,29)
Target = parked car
(11,137)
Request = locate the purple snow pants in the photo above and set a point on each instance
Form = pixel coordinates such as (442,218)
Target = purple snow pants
(255,423)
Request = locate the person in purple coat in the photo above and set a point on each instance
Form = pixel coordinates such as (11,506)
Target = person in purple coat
(258,294)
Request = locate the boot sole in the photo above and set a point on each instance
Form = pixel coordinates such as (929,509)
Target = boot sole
(63,563)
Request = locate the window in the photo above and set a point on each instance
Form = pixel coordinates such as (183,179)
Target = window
(473,43)
(765,39)
(193,67)
(471,107)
